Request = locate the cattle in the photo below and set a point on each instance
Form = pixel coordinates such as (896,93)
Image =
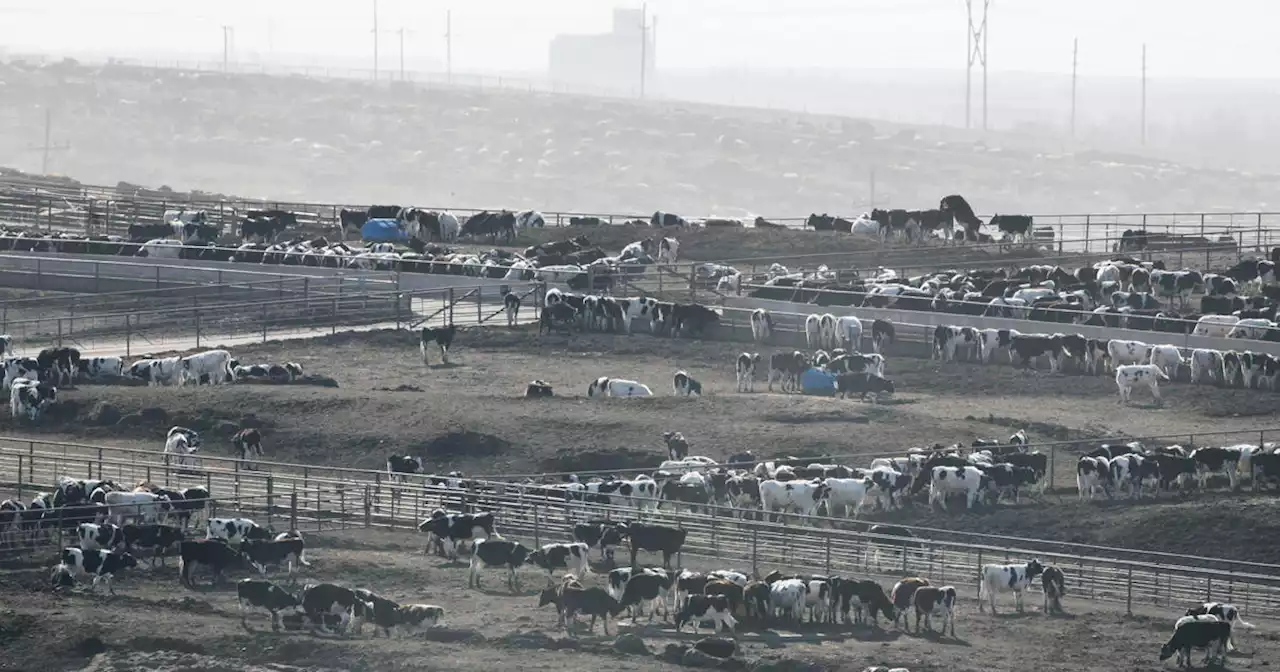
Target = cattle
(845,495)
(596,602)
(1009,478)
(157,538)
(1204,363)
(1016,227)
(401,466)
(100,564)
(882,335)
(1226,613)
(1007,578)
(788,597)
(147,507)
(802,497)
(944,481)
(616,387)
(684,385)
(286,549)
(813,331)
(648,585)
(787,367)
(58,365)
(511,306)
(158,372)
(855,363)
(601,534)
(657,538)
(1132,375)
(538,389)
(236,531)
(247,442)
(213,364)
(458,528)
(866,596)
(321,600)
(179,445)
(99,368)
(1054,585)
(948,339)
(932,601)
(497,552)
(863,384)
(1227,461)
(1092,474)
(994,340)
(29,398)
(677,445)
(442,336)
(572,557)
(264,595)
(20,367)
(902,596)
(214,553)
(1168,358)
(93,536)
(1213,636)
(557,313)
(745,369)
(1216,326)
(420,616)
(761,325)
(1023,348)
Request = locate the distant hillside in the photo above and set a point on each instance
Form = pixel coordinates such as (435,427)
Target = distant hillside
(298,138)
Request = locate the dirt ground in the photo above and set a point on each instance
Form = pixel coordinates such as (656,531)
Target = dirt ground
(156,624)
(471,416)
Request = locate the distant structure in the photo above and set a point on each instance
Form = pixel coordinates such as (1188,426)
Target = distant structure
(608,60)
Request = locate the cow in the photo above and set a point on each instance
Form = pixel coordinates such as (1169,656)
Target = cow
(497,552)
(571,557)
(1226,613)
(58,365)
(93,536)
(855,363)
(616,387)
(659,538)
(458,528)
(1205,362)
(787,367)
(813,331)
(863,384)
(217,554)
(930,601)
(213,364)
(179,445)
(803,497)
(1007,578)
(948,339)
(157,538)
(323,600)
(29,398)
(442,336)
(944,481)
(684,385)
(746,371)
(1212,636)
(1168,358)
(601,534)
(882,335)
(677,445)
(761,325)
(148,507)
(538,388)
(1230,461)
(1054,585)
(286,549)
(1132,375)
(264,595)
(788,597)
(1092,474)
(1216,326)
(511,306)
(1023,348)
(236,531)
(399,467)
(247,442)
(994,340)
(99,368)
(101,565)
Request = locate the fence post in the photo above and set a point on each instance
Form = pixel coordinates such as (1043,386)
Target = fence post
(237,477)
(197,328)
(368,508)
(59,332)
(264,321)
(1053,458)
(828,545)
(22,461)
(333,326)
(270,499)
(128,334)
(99,465)
(537,529)
(450,305)
(293,510)
(1128,598)
(755,567)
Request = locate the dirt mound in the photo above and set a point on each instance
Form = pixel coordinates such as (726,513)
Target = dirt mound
(465,443)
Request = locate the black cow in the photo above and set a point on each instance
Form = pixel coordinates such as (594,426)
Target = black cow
(265,595)
(658,538)
(1132,240)
(213,553)
(1054,584)
(1252,269)
(867,596)
(1211,636)
(601,534)
(385,613)
(692,318)
(1015,226)
(959,209)
(248,442)
(1006,477)
(442,336)
(662,219)
(1029,346)
(1266,468)
(154,537)
(323,599)
(275,552)
(862,384)
(882,334)
(58,365)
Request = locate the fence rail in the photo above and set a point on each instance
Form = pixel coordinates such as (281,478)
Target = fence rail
(363,499)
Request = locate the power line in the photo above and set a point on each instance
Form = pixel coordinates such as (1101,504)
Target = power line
(977,51)
(48,146)
(227,33)
(448,45)
(644,44)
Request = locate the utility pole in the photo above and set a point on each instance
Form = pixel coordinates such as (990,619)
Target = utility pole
(872,195)
(48,145)
(375,40)
(401,31)
(448,45)
(1075,53)
(227,32)
(977,51)
(1143,121)
(644,44)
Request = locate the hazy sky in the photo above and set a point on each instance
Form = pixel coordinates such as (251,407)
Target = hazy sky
(1221,39)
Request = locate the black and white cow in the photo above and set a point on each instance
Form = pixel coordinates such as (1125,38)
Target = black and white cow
(1213,636)
(105,536)
(286,549)
(155,538)
(1007,578)
(684,385)
(882,335)
(215,554)
(264,595)
(101,565)
(59,365)
(862,384)
(457,528)
(442,336)
(400,466)
(1054,584)
(677,445)
(494,552)
(1226,613)
(327,599)
(248,442)
(570,557)
(601,534)
(236,531)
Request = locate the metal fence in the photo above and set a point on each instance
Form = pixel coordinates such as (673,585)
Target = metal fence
(333,498)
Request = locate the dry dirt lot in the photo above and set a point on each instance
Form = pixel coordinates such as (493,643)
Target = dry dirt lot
(156,624)
(471,416)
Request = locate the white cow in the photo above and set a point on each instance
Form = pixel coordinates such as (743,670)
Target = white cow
(1127,352)
(828,328)
(802,497)
(101,367)
(161,248)
(449,226)
(27,398)
(746,370)
(849,330)
(1251,328)
(19,367)
(179,445)
(1007,578)
(1217,326)
(787,598)
(947,480)
(165,371)
(148,507)
(1168,358)
(1131,375)
(761,325)
(813,331)
(847,495)
(216,364)
(617,387)
(1204,363)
